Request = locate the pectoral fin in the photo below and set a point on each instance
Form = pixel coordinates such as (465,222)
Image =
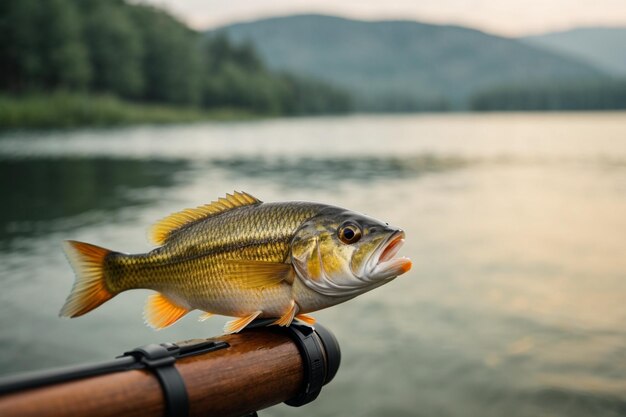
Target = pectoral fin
(258,274)
(287,318)
(237,325)
(161,312)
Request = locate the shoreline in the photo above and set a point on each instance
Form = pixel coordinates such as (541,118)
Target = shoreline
(70,110)
(63,110)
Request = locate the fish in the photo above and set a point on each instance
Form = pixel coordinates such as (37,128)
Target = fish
(243,258)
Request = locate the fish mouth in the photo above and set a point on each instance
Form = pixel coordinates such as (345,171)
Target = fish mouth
(387,265)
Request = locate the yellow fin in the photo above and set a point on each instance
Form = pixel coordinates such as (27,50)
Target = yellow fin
(287,318)
(204,316)
(164,228)
(257,274)
(305,318)
(89,290)
(161,312)
(237,325)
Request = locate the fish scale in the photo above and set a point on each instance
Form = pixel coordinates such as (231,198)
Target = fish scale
(191,265)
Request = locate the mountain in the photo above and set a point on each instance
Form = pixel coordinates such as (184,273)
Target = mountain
(604,47)
(403,63)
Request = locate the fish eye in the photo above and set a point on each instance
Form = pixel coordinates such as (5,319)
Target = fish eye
(349,233)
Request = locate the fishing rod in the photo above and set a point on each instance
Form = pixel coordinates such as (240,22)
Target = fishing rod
(229,375)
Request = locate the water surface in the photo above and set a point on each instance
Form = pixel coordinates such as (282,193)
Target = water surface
(516,304)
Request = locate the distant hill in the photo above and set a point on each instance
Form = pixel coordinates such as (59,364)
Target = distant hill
(391,63)
(604,47)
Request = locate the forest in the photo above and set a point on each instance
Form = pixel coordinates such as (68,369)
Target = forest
(583,95)
(67,63)
(114,54)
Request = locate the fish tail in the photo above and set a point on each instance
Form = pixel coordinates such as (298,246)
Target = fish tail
(90,289)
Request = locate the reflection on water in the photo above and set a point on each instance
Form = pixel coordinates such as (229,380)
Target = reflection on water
(36,192)
(321,172)
(516,302)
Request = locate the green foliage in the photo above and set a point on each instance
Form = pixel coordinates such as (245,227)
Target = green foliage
(41,46)
(597,95)
(238,78)
(235,86)
(117,49)
(62,109)
(220,51)
(172,66)
(307,96)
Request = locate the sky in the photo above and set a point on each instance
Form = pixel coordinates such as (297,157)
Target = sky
(503,17)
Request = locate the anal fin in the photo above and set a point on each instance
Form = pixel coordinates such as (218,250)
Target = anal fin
(161,312)
(237,325)
(287,318)
(305,318)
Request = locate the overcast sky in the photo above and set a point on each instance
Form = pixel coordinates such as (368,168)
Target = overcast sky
(505,17)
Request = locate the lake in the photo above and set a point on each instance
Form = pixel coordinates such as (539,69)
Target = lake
(516,225)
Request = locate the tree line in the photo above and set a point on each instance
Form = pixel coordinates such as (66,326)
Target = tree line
(140,53)
(588,95)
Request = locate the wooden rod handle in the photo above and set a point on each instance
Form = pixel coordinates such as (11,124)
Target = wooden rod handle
(258,370)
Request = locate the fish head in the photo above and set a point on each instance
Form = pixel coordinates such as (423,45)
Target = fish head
(342,253)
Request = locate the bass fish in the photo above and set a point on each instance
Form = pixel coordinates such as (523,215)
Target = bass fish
(243,258)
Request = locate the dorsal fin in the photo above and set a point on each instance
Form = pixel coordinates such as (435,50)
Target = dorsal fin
(164,228)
